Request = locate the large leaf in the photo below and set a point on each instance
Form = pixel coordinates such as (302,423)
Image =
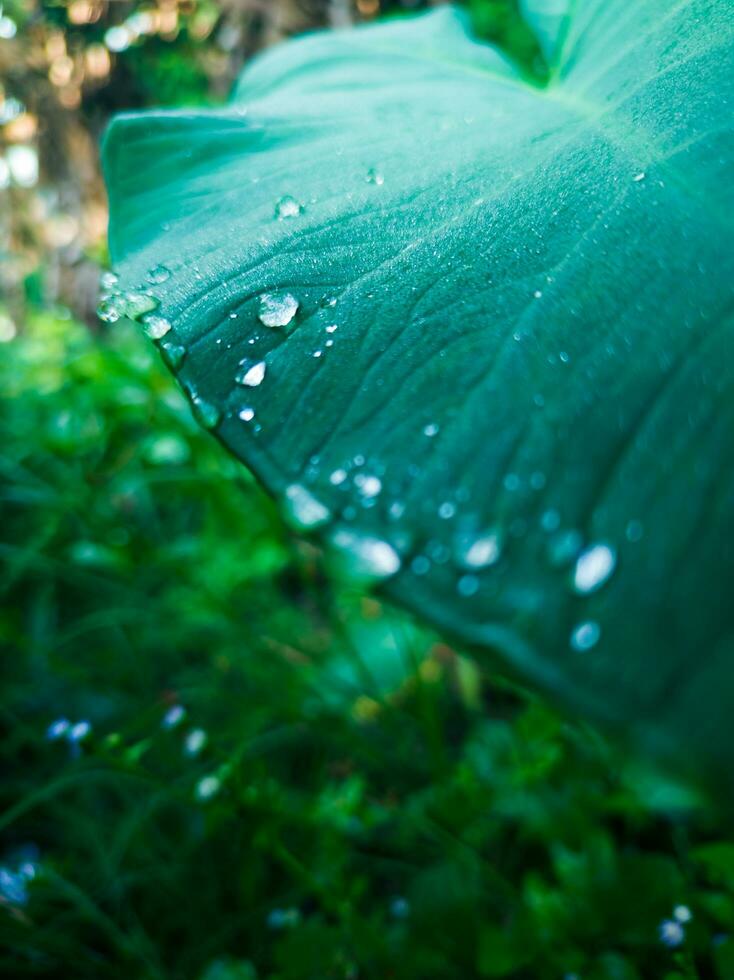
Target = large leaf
(508,388)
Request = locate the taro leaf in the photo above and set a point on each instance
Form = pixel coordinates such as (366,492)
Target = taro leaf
(510,372)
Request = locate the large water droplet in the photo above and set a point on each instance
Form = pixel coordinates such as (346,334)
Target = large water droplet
(246,413)
(585,635)
(156,327)
(109,309)
(108,280)
(136,304)
(478,552)
(173,354)
(287,207)
(303,509)
(593,567)
(252,375)
(207,414)
(368,557)
(277,309)
(158,274)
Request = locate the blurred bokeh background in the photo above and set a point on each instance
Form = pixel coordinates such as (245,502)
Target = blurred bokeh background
(218,763)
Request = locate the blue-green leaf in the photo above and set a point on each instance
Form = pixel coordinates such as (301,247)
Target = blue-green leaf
(476,333)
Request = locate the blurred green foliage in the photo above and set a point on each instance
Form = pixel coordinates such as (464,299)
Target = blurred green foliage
(343,795)
(362,803)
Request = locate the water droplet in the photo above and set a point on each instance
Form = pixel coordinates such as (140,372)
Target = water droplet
(375,177)
(396,509)
(478,552)
(158,274)
(368,557)
(108,280)
(447,510)
(156,327)
(135,304)
(173,354)
(287,207)
(247,414)
(317,353)
(430,430)
(585,635)
(550,520)
(638,177)
(206,413)
(252,375)
(328,302)
(593,567)
(368,486)
(109,310)
(634,531)
(277,309)
(538,293)
(467,585)
(332,328)
(338,477)
(564,546)
(303,509)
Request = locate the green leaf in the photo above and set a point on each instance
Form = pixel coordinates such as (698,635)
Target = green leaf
(502,376)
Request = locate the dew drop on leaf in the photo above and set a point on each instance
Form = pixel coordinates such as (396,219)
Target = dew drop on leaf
(303,509)
(156,327)
(252,375)
(375,177)
(368,486)
(277,309)
(246,413)
(593,567)
(158,274)
(585,635)
(478,552)
(467,585)
(173,354)
(367,557)
(207,414)
(564,546)
(135,304)
(287,207)
(108,310)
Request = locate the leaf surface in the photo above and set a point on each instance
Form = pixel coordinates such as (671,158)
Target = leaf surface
(509,383)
